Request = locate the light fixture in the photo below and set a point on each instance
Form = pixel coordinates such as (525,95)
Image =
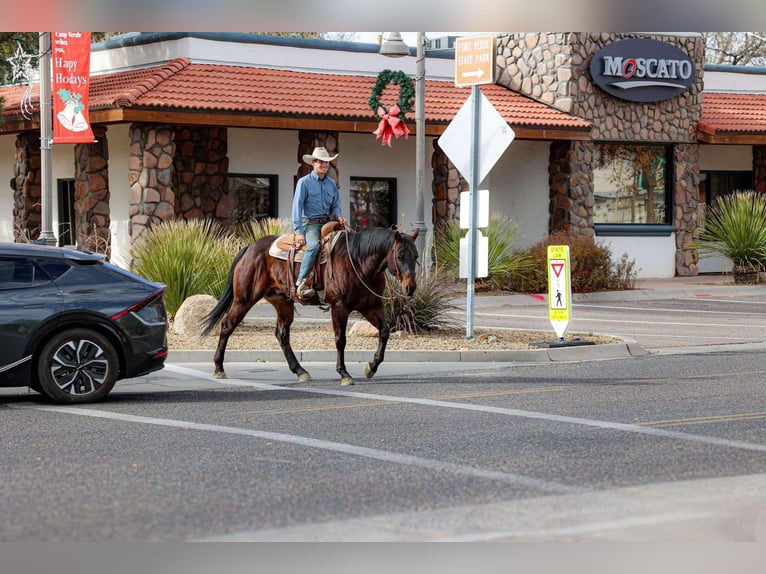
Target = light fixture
(394,46)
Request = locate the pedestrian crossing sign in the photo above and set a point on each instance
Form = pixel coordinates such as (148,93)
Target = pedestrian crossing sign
(559,288)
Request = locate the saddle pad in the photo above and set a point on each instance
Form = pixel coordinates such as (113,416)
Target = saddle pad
(280,247)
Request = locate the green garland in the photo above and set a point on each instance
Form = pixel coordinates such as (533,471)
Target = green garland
(406,91)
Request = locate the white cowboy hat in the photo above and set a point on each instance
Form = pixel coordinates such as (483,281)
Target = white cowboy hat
(319,153)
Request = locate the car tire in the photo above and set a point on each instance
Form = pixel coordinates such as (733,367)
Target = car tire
(77,366)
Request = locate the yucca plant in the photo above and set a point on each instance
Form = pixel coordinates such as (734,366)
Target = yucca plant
(428,309)
(504,257)
(253,230)
(190,257)
(735,226)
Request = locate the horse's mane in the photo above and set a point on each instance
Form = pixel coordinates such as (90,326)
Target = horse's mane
(369,242)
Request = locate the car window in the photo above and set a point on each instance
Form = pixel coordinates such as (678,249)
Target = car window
(18,273)
(54,268)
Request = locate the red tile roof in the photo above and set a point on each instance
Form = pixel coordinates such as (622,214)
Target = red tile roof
(733,113)
(182,85)
(264,92)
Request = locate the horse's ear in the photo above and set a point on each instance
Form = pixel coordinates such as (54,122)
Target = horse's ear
(397,235)
(394,227)
(414,233)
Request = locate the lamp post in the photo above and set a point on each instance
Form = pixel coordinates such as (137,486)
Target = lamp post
(46,141)
(395,47)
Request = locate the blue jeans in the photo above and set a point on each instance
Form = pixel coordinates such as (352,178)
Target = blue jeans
(311,231)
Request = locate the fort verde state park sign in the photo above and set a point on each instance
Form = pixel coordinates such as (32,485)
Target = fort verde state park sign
(642,70)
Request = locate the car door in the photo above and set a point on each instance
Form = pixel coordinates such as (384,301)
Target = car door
(28,298)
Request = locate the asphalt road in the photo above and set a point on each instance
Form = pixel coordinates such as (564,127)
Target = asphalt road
(664,447)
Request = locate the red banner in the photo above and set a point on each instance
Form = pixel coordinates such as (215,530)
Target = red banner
(71,81)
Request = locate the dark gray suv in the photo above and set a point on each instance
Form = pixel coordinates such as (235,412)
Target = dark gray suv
(72,324)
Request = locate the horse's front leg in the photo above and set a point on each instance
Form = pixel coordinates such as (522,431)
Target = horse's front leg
(285,315)
(339,324)
(377,318)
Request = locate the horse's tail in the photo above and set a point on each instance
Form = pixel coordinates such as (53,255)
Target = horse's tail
(211,319)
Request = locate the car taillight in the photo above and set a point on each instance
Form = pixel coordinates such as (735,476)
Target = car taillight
(150,309)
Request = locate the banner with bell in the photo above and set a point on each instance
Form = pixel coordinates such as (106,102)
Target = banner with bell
(70,86)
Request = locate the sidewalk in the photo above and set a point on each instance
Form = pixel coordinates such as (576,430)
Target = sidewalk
(646,289)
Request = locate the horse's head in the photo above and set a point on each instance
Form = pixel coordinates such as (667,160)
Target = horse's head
(402,261)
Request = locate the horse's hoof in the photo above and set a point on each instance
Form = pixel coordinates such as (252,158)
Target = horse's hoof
(219,374)
(304,378)
(369,373)
(345,381)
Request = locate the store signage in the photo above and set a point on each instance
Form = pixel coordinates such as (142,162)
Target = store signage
(642,70)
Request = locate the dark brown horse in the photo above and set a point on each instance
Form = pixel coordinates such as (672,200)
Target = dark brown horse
(354,280)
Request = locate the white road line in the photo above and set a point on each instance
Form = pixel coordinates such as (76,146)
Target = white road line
(648,309)
(709,440)
(585,319)
(385,456)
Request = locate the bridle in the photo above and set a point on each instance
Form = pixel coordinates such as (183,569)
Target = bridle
(397,272)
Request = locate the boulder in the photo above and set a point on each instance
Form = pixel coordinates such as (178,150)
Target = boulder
(189,317)
(363,329)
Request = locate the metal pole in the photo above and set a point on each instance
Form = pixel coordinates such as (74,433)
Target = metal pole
(46,141)
(473,195)
(420,150)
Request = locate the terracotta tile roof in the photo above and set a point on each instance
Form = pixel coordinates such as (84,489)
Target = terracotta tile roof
(182,85)
(733,113)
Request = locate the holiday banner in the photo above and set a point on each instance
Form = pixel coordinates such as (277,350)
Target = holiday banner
(71,81)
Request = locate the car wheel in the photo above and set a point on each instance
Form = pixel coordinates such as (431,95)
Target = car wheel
(77,366)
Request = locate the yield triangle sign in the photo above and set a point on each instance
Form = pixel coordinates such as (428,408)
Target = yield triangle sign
(557,267)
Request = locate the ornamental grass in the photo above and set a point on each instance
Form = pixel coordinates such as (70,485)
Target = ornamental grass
(190,257)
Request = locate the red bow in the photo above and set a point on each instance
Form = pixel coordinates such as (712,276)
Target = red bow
(390,125)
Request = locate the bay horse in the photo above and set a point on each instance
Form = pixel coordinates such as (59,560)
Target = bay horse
(354,280)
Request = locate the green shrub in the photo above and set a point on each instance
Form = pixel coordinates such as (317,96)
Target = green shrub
(251,231)
(190,257)
(591,266)
(428,309)
(735,226)
(504,257)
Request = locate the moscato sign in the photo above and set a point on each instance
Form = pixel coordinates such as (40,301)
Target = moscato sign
(642,70)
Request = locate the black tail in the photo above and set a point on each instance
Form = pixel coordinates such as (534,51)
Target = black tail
(209,321)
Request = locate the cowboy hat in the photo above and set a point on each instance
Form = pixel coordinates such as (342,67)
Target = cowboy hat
(319,153)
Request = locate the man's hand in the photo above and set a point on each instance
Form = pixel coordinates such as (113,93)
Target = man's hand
(300,239)
(342,221)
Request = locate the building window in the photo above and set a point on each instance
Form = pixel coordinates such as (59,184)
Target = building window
(251,196)
(373,202)
(67,218)
(714,184)
(631,184)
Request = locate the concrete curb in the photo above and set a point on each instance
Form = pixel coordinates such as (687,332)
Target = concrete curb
(560,354)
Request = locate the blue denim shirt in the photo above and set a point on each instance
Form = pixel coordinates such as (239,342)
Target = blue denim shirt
(314,197)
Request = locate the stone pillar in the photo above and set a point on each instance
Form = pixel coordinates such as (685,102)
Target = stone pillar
(27,188)
(307,141)
(150,176)
(92,214)
(446,187)
(686,206)
(201,166)
(759,168)
(570,183)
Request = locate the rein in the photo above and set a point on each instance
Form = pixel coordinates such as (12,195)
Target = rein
(358,276)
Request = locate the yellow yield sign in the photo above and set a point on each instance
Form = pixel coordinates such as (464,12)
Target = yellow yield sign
(559,288)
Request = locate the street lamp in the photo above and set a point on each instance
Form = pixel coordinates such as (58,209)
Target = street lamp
(395,47)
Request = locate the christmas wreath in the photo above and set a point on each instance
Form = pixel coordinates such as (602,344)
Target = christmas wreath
(391,124)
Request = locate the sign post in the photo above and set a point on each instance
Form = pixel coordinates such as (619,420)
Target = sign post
(489,135)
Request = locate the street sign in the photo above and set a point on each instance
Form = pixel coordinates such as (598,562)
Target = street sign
(494,138)
(482,209)
(474,60)
(482,255)
(559,288)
